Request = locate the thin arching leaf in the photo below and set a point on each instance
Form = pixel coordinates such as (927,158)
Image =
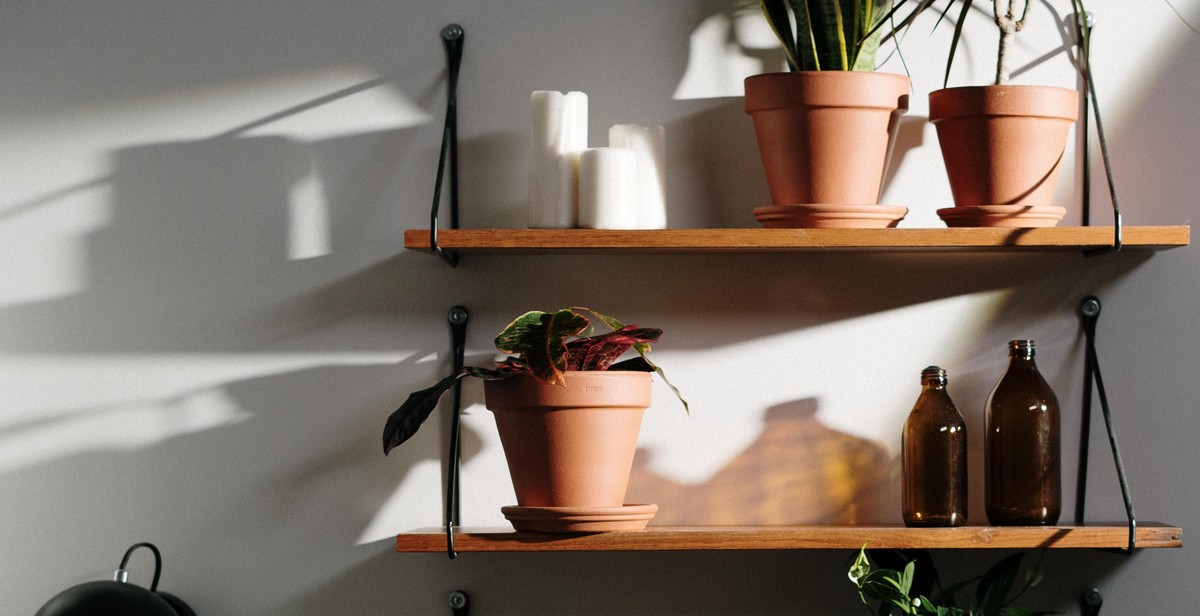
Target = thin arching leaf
(958,28)
(776,12)
(406,420)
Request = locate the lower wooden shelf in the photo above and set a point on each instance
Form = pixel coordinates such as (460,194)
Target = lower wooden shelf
(673,538)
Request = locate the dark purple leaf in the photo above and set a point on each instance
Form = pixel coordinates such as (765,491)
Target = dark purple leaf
(406,420)
(599,352)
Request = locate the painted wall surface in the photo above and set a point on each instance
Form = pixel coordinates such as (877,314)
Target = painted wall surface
(206,313)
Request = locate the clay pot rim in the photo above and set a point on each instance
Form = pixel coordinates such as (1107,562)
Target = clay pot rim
(1050,102)
(519,392)
(891,94)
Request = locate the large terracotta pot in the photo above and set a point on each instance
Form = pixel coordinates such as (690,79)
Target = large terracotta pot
(570,446)
(826,137)
(1003,147)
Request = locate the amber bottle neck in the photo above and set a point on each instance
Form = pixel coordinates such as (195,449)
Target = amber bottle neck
(1021,349)
(933,377)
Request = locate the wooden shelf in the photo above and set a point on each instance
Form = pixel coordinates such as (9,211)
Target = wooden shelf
(674,538)
(973,239)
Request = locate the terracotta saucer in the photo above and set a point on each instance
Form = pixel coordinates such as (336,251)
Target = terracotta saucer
(1011,216)
(828,216)
(579,519)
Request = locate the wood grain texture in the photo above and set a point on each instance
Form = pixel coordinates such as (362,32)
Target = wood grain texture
(671,538)
(498,241)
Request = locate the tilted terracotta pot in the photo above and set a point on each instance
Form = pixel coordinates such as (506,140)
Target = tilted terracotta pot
(1003,145)
(573,445)
(826,137)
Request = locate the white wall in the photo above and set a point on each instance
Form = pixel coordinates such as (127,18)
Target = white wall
(205,312)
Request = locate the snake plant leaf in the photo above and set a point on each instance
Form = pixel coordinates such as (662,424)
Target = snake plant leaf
(540,338)
(776,12)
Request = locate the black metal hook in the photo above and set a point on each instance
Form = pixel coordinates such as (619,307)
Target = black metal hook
(458,317)
(1089,311)
(157,563)
(453,36)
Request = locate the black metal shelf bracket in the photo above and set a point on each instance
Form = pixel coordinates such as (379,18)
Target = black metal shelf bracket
(452,37)
(1087,21)
(1089,312)
(457,317)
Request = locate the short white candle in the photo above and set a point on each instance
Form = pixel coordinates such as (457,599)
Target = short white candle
(608,188)
(649,142)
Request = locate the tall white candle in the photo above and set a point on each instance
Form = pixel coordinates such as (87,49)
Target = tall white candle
(608,188)
(649,142)
(558,132)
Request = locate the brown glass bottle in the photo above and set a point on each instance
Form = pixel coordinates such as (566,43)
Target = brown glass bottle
(934,457)
(1022,447)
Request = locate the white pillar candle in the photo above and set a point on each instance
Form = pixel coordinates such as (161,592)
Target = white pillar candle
(608,188)
(649,142)
(558,132)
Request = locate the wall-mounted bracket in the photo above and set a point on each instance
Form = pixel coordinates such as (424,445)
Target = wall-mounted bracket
(1089,312)
(1085,23)
(452,37)
(457,317)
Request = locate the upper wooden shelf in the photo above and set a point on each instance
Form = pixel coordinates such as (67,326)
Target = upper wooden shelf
(673,538)
(963,239)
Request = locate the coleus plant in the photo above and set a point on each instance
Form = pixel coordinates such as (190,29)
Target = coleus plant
(543,345)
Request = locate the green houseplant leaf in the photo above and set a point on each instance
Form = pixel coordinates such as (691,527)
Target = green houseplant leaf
(894,589)
(540,338)
(822,35)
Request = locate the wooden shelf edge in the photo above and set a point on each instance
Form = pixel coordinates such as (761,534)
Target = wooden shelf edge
(516,241)
(674,538)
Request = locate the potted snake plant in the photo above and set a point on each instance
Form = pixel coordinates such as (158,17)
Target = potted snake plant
(1002,144)
(568,413)
(826,127)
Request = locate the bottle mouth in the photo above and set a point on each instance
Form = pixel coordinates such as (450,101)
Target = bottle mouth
(933,374)
(1021,347)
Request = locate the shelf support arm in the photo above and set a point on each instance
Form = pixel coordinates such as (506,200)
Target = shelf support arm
(1085,22)
(457,317)
(1089,312)
(452,38)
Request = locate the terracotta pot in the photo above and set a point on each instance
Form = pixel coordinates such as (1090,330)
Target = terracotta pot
(573,445)
(826,137)
(1003,145)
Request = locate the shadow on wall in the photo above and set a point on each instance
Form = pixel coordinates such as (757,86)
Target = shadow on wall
(797,472)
